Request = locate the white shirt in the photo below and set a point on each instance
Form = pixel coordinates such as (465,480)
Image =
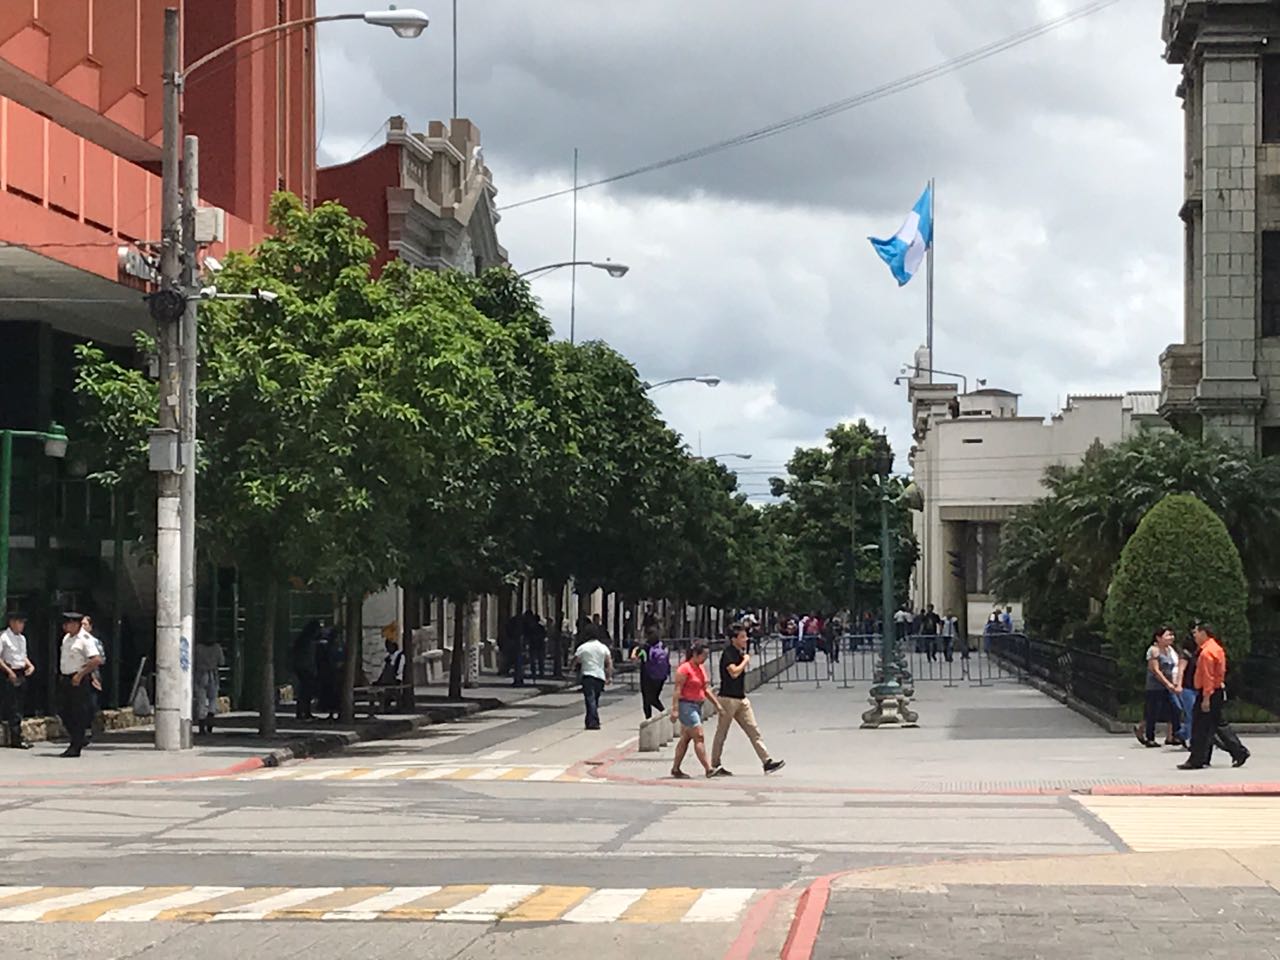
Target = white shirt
(76,652)
(949,626)
(593,655)
(396,662)
(902,616)
(13,649)
(97,644)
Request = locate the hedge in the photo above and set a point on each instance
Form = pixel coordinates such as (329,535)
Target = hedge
(1179,566)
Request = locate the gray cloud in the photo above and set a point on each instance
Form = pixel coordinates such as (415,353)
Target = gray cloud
(1059,180)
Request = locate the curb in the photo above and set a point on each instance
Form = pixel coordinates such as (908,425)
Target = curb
(807,922)
(309,747)
(1190,790)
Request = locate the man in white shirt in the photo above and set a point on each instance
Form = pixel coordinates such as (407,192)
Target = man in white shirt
(392,674)
(597,670)
(17,667)
(76,663)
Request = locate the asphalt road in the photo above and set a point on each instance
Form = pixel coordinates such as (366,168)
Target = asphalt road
(490,838)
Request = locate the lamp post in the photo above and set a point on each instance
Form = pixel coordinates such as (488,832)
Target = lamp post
(174,308)
(891,693)
(706,381)
(614,270)
(55,445)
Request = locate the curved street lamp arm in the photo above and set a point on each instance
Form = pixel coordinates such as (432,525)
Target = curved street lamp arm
(278,28)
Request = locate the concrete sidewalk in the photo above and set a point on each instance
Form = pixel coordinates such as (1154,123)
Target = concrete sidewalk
(1004,738)
(119,756)
(1176,904)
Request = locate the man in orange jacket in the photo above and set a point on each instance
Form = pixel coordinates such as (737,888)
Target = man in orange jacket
(1211,695)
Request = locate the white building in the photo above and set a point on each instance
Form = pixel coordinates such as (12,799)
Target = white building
(975,459)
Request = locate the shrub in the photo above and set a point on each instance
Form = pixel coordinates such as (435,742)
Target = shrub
(1180,565)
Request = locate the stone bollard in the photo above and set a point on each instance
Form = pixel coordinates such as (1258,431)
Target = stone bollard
(651,735)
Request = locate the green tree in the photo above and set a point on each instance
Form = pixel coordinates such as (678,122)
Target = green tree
(1180,565)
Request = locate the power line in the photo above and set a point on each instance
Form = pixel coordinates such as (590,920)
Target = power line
(841,106)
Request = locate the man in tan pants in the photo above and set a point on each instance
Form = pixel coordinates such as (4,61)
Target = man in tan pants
(734,705)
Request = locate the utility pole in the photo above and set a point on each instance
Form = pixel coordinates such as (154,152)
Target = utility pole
(187,424)
(168,308)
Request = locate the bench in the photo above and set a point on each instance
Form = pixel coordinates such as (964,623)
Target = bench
(378,698)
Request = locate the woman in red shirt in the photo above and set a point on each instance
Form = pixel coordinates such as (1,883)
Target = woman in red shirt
(692,688)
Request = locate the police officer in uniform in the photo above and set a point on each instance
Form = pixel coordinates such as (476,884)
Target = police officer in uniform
(79,659)
(15,667)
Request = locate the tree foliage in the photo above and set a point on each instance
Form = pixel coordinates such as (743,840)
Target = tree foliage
(1179,566)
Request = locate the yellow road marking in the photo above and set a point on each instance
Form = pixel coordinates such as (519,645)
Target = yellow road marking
(517,773)
(40,893)
(427,908)
(198,912)
(550,903)
(322,905)
(663,905)
(92,911)
(353,773)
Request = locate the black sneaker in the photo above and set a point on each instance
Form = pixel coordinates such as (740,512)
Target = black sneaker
(1242,760)
(721,772)
(679,775)
(773,766)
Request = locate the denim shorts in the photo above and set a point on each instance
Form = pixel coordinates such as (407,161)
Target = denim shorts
(690,713)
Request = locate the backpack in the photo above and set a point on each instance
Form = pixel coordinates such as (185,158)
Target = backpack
(657,662)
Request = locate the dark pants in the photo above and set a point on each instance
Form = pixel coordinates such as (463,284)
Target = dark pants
(517,668)
(592,687)
(1208,726)
(11,707)
(931,645)
(948,647)
(1157,707)
(76,710)
(537,659)
(651,694)
(304,696)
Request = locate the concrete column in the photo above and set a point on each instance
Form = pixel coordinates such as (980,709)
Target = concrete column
(954,591)
(1229,394)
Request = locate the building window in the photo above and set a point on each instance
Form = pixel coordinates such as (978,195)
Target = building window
(1271,441)
(1271,99)
(1271,283)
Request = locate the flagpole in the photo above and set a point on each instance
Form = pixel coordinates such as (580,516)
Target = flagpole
(928,322)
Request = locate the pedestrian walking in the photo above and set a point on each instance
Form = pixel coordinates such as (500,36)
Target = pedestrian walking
(330,660)
(206,663)
(1208,723)
(535,637)
(17,668)
(392,674)
(596,662)
(930,623)
(734,707)
(950,633)
(1187,685)
(306,670)
(692,691)
(1161,690)
(654,663)
(77,660)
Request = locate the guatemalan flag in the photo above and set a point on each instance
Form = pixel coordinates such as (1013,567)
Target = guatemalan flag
(905,250)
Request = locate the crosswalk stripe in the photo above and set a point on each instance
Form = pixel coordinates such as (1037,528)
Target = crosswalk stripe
(548,904)
(493,773)
(150,909)
(321,775)
(464,903)
(439,773)
(719,905)
(207,909)
(341,899)
(373,907)
(661,904)
(518,773)
(490,905)
(550,774)
(429,907)
(354,774)
(604,906)
(271,905)
(569,778)
(381,773)
(34,910)
(1202,822)
(94,911)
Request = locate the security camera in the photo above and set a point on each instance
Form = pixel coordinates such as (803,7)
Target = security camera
(208,293)
(266,296)
(213,264)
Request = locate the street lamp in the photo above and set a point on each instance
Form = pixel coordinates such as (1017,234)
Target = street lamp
(892,692)
(55,445)
(174,308)
(707,381)
(610,267)
(719,456)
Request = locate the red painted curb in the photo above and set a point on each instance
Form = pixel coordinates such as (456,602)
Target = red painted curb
(756,918)
(244,766)
(803,935)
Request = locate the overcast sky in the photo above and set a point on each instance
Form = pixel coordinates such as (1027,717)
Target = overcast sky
(1058,265)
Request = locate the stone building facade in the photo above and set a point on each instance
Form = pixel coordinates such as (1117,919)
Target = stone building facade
(1224,377)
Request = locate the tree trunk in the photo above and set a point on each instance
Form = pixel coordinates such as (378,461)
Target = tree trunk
(354,611)
(456,664)
(267,691)
(412,604)
(557,633)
